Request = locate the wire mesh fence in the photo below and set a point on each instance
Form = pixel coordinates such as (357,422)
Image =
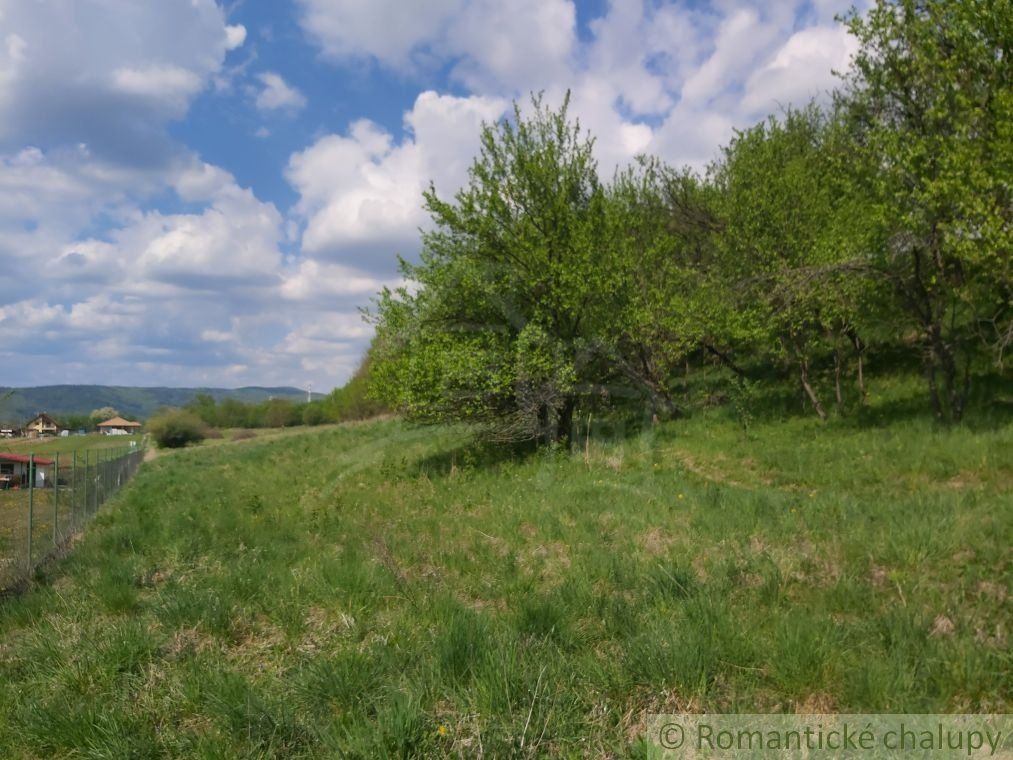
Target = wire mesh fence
(45,500)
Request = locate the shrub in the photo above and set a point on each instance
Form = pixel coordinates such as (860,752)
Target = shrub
(176,428)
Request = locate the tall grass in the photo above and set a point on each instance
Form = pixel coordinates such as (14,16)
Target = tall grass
(388,590)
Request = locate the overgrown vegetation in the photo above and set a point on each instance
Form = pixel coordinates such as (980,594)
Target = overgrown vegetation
(389,590)
(877,228)
(346,403)
(176,428)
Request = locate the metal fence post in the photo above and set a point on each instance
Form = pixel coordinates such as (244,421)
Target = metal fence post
(56,499)
(86,505)
(73,490)
(31,505)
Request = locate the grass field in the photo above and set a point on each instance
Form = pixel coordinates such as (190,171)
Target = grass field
(57,445)
(383,589)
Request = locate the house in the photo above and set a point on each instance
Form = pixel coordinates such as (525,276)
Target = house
(14,471)
(40,426)
(118,426)
(9,430)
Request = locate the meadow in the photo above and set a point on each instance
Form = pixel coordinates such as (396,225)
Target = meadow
(384,589)
(68,445)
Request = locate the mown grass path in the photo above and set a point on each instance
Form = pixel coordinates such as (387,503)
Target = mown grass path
(382,589)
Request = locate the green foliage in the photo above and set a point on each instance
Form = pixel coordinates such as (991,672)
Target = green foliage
(103,414)
(515,254)
(175,428)
(878,229)
(930,102)
(355,400)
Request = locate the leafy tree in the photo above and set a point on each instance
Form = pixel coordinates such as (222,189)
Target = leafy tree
(205,407)
(354,400)
(279,412)
(235,414)
(314,413)
(790,232)
(77,422)
(103,414)
(176,428)
(931,100)
(509,287)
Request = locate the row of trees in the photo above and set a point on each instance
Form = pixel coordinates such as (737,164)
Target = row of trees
(882,219)
(349,402)
(89,422)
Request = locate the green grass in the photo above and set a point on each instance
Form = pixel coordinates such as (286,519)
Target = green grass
(388,590)
(57,445)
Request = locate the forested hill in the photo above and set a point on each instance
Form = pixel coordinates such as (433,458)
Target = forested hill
(132,401)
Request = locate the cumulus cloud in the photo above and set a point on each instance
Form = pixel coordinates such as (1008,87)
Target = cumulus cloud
(235,36)
(150,264)
(361,192)
(391,31)
(105,74)
(802,69)
(277,94)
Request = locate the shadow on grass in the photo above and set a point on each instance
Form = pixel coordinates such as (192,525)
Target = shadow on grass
(473,453)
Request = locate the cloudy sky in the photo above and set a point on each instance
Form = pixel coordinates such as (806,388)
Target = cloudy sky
(201,193)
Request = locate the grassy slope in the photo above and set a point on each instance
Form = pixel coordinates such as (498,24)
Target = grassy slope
(388,589)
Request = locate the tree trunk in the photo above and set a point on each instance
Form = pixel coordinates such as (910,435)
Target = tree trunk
(804,376)
(564,424)
(725,360)
(837,380)
(930,376)
(860,356)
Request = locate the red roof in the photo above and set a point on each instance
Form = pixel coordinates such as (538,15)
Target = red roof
(23,459)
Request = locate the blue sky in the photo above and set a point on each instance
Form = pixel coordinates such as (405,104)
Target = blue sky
(205,193)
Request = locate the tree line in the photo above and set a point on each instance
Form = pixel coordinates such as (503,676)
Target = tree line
(879,222)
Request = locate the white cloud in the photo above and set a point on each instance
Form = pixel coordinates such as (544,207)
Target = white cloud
(235,36)
(158,263)
(277,94)
(390,31)
(802,69)
(174,85)
(361,193)
(507,46)
(107,74)
(511,47)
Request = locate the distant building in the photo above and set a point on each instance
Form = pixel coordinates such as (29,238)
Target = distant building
(41,425)
(14,471)
(10,430)
(118,426)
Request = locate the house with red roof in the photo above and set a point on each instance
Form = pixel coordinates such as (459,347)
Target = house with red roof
(17,471)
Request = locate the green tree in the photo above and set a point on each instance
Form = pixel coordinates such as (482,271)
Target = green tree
(508,287)
(931,100)
(176,428)
(790,235)
(280,412)
(103,414)
(205,407)
(355,399)
(235,414)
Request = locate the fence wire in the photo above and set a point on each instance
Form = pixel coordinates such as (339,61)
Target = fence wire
(49,498)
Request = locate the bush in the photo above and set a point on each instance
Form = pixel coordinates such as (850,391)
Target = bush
(175,428)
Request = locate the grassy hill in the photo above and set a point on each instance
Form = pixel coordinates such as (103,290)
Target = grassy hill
(383,589)
(134,401)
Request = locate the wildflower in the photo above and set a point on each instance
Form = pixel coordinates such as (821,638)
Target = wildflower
(442,730)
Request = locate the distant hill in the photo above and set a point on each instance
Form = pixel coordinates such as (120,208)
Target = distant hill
(24,403)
